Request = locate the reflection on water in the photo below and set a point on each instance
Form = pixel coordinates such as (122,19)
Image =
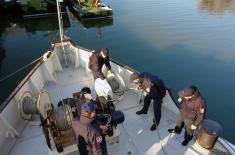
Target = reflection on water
(97,24)
(45,23)
(10,26)
(2,55)
(21,41)
(13,30)
(34,7)
(88,24)
(217,6)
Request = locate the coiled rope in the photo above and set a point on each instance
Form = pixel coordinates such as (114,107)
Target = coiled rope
(62,117)
(29,106)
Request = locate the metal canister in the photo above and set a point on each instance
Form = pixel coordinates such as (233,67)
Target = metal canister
(208,134)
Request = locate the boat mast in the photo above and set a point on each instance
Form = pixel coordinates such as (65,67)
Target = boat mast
(61,40)
(59,19)
(61,28)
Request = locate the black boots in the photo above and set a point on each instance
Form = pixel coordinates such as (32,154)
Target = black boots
(141,112)
(175,130)
(187,138)
(153,127)
(178,130)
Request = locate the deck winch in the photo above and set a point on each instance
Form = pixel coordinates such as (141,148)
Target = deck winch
(57,121)
(61,117)
(30,106)
(57,127)
(27,104)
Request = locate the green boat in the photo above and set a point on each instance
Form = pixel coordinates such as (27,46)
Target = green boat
(36,8)
(87,10)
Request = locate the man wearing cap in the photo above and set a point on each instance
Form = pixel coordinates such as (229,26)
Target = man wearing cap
(88,134)
(155,90)
(96,62)
(192,111)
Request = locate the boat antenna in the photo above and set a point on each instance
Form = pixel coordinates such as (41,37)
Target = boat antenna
(61,28)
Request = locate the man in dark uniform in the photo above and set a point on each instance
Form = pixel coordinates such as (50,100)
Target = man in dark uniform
(97,60)
(192,112)
(155,90)
(88,134)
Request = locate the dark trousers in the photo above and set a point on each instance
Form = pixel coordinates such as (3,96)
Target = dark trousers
(157,103)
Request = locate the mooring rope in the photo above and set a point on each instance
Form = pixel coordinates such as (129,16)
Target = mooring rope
(18,70)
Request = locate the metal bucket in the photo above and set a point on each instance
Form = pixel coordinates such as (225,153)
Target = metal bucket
(208,134)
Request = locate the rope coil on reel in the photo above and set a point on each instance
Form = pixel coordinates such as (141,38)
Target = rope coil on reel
(62,117)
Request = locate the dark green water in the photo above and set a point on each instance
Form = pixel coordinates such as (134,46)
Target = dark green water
(183,42)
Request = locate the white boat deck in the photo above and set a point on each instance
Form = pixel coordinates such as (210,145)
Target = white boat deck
(135,137)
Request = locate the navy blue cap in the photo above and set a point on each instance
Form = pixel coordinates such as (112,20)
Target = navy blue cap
(89,107)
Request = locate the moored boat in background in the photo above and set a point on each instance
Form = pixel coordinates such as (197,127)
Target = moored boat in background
(36,8)
(87,10)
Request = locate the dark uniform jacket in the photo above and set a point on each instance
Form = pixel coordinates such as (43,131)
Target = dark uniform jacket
(193,110)
(158,90)
(153,93)
(96,63)
(89,137)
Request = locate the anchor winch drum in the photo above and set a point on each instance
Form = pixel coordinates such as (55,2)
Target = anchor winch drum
(208,134)
(62,117)
(27,105)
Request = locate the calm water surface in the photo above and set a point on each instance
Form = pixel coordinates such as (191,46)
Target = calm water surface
(183,42)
